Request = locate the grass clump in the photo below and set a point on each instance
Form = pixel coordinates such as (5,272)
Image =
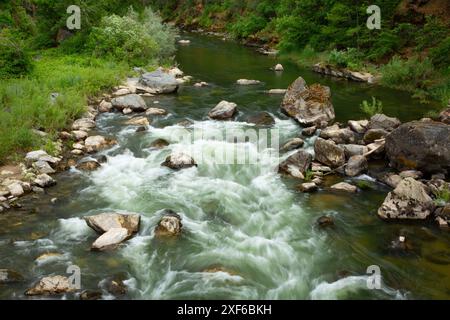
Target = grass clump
(372,108)
(442,196)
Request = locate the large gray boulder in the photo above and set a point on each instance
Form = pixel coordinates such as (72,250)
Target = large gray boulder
(159,81)
(308,105)
(130,101)
(356,165)
(328,153)
(423,146)
(296,164)
(409,200)
(381,121)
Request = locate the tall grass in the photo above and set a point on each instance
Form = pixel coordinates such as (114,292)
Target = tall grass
(26,103)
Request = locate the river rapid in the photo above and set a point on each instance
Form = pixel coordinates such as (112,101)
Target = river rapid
(245,220)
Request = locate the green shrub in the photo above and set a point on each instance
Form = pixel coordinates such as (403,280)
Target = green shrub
(134,39)
(442,196)
(440,55)
(351,58)
(248,25)
(15,59)
(371,109)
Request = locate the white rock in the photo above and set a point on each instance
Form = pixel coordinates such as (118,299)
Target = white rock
(121,92)
(127,111)
(105,106)
(138,121)
(277,91)
(184,42)
(40,155)
(343,186)
(110,239)
(79,135)
(279,67)
(94,143)
(78,146)
(16,189)
(246,82)
(43,167)
(155,112)
(176,72)
(83,124)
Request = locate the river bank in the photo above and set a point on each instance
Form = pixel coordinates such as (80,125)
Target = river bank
(246,231)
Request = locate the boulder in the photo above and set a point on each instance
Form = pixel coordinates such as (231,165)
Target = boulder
(308,105)
(121,92)
(159,144)
(374,134)
(392,180)
(295,143)
(95,143)
(105,106)
(138,121)
(356,165)
(110,239)
(16,189)
(51,286)
(358,126)
(296,164)
(40,155)
(328,153)
(307,187)
(131,101)
(279,67)
(261,119)
(310,131)
(246,82)
(89,165)
(345,187)
(159,81)
(178,160)
(423,146)
(155,112)
(201,84)
(351,150)
(381,121)
(223,111)
(103,222)
(44,181)
(442,217)
(10,276)
(170,225)
(83,124)
(43,167)
(277,91)
(409,200)
(339,136)
(79,135)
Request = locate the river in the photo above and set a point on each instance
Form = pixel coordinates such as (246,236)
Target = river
(243,218)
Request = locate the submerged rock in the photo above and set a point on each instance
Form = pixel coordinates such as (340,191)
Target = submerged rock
(110,239)
(423,146)
(51,286)
(178,160)
(103,222)
(89,165)
(131,101)
(159,81)
(159,144)
(409,200)
(10,276)
(223,111)
(325,221)
(261,119)
(170,225)
(246,82)
(296,164)
(328,153)
(308,105)
(90,295)
(344,186)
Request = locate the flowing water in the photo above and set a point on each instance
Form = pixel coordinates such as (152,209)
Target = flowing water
(245,219)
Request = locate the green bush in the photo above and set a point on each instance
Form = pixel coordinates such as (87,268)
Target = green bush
(248,25)
(15,59)
(440,56)
(131,38)
(371,109)
(351,58)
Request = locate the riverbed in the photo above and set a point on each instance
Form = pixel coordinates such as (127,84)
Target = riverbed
(244,220)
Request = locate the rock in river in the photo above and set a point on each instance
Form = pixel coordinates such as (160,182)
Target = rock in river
(178,160)
(110,239)
(356,165)
(159,81)
(328,153)
(44,181)
(159,144)
(170,225)
(51,286)
(132,101)
(89,165)
(308,105)
(261,119)
(10,276)
(296,164)
(423,146)
(103,222)
(246,82)
(223,111)
(344,186)
(409,200)
(294,143)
